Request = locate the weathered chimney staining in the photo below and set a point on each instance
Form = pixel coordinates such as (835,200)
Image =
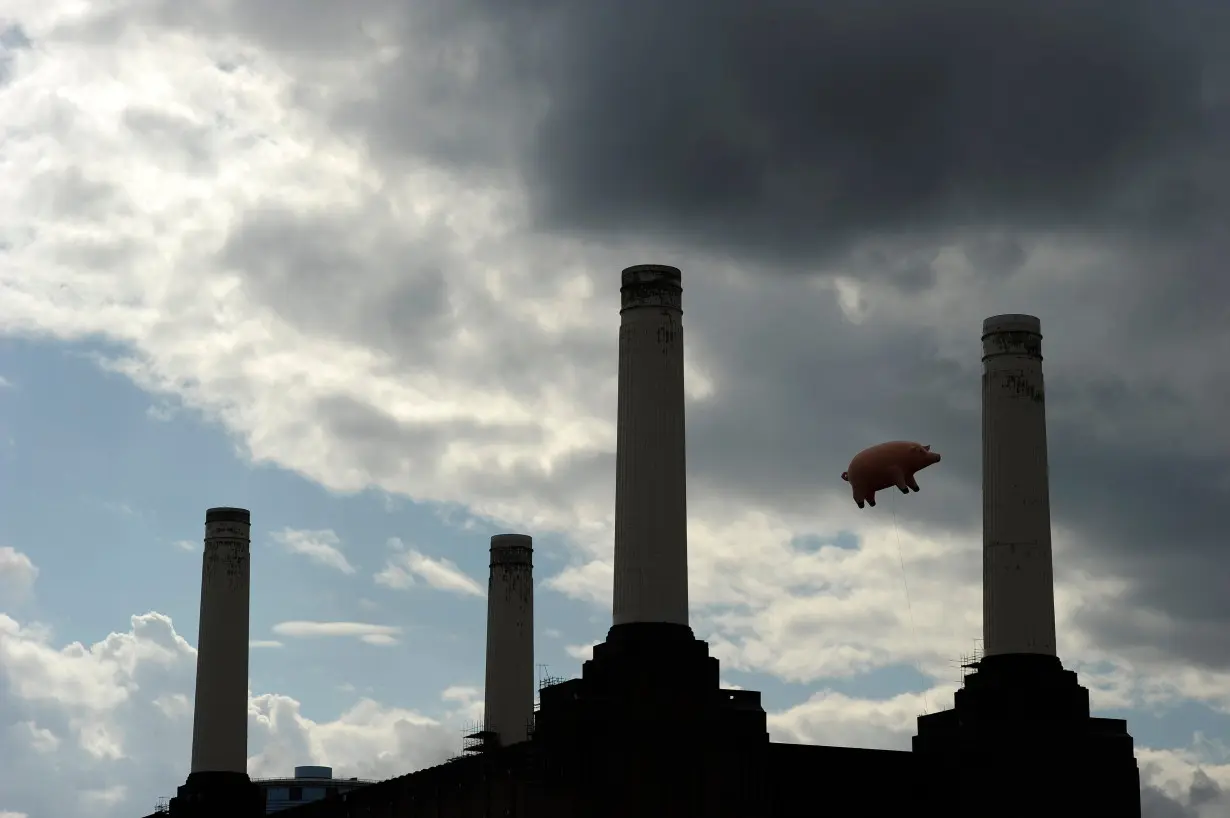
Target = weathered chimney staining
(651,549)
(1018,578)
(509,689)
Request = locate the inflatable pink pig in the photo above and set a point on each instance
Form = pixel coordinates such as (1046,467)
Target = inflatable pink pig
(889,464)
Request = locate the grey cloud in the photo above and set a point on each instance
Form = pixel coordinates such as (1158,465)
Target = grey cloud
(996,253)
(1204,791)
(783,132)
(74,193)
(365,275)
(454,91)
(798,398)
(386,445)
(1140,467)
(362,277)
(1204,797)
(320,274)
(12,39)
(174,138)
(846,138)
(535,488)
(1156,804)
(97,253)
(313,29)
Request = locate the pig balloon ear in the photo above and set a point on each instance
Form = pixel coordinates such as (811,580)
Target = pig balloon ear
(926,448)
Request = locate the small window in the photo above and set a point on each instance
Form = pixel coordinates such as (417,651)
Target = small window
(296,793)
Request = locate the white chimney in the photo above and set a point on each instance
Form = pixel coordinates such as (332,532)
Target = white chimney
(509,690)
(651,548)
(220,723)
(1018,596)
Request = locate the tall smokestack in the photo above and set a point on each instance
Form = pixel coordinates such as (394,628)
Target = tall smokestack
(509,690)
(218,783)
(1020,726)
(651,549)
(220,724)
(1018,596)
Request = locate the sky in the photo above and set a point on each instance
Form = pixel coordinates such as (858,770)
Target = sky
(355,266)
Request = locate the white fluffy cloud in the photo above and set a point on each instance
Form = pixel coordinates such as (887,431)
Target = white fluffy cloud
(184,195)
(330,384)
(407,565)
(122,708)
(171,222)
(581,653)
(321,547)
(115,718)
(368,740)
(363,631)
(17,574)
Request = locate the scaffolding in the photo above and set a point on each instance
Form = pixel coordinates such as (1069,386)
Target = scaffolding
(545,679)
(163,807)
(970,661)
(964,665)
(476,738)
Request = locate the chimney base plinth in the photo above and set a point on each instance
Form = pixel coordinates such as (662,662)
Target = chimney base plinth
(1021,739)
(210,795)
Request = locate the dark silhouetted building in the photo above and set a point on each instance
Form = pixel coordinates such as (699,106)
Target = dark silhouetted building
(647,731)
(309,783)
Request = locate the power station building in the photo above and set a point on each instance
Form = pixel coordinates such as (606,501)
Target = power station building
(309,783)
(647,730)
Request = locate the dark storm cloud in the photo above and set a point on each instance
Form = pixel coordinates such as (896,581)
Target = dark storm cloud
(1158,518)
(797,397)
(995,253)
(848,134)
(783,130)
(789,134)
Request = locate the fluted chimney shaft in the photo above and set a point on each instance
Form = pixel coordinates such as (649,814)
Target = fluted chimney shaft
(509,689)
(220,723)
(1018,578)
(651,551)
